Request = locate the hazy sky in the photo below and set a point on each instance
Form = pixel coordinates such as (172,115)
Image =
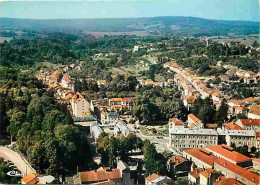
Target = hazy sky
(212,9)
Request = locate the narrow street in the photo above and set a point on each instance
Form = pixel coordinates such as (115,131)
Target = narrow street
(22,165)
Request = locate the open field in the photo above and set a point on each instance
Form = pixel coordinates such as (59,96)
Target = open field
(247,40)
(102,34)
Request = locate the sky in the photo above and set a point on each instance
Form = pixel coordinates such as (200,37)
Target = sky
(71,9)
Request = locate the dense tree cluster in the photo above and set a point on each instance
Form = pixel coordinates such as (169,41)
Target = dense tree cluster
(41,127)
(110,147)
(207,113)
(158,104)
(154,162)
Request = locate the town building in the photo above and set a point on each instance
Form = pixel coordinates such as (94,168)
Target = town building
(254,112)
(231,126)
(229,154)
(184,138)
(156,179)
(121,129)
(194,176)
(256,164)
(208,176)
(67,83)
(175,123)
(226,181)
(79,105)
(101,82)
(194,122)
(177,164)
(234,171)
(35,178)
(108,118)
(249,124)
(95,130)
(105,175)
(238,137)
(201,157)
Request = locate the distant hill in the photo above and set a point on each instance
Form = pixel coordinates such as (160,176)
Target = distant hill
(179,25)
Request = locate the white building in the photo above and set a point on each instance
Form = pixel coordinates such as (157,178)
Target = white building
(175,123)
(121,129)
(156,179)
(79,105)
(95,130)
(239,137)
(192,138)
(67,83)
(108,118)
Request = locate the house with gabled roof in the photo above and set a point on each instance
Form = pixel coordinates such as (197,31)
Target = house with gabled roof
(79,105)
(194,121)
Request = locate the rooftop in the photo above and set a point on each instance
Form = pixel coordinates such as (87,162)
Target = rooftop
(229,153)
(228,181)
(202,155)
(233,126)
(176,121)
(152,177)
(247,122)
(193,131)
(255,110)
(238,170)
(100,174)
(177,159)
(236,132)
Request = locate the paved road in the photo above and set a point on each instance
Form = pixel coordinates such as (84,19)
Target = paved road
(18,161)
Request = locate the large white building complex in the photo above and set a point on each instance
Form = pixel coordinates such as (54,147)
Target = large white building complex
(184,138)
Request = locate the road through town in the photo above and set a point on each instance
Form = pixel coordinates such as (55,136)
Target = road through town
(21,164)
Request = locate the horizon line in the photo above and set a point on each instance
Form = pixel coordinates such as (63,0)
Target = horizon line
(127,18)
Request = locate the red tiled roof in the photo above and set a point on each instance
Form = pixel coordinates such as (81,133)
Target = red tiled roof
(152,177)
(202,154)
(233,126)
(31,178)
(127,99)
(77,97)
(257,134)
(194,118)
(177,159)
(238,170)
(207,172)
(66,78)
(257,160)
(100,175)
(176,121)
(250,121)
(250,99)
(228,181)
(240,108)
(255,110)
(229,153)
(115,99)
(196,173)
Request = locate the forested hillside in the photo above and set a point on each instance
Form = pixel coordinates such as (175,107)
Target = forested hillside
(175,25)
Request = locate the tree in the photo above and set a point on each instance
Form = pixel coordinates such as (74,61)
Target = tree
(221,115)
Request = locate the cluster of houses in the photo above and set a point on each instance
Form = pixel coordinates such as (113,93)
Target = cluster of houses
(193,134)
(210,165)
(193,86)
(221,164)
